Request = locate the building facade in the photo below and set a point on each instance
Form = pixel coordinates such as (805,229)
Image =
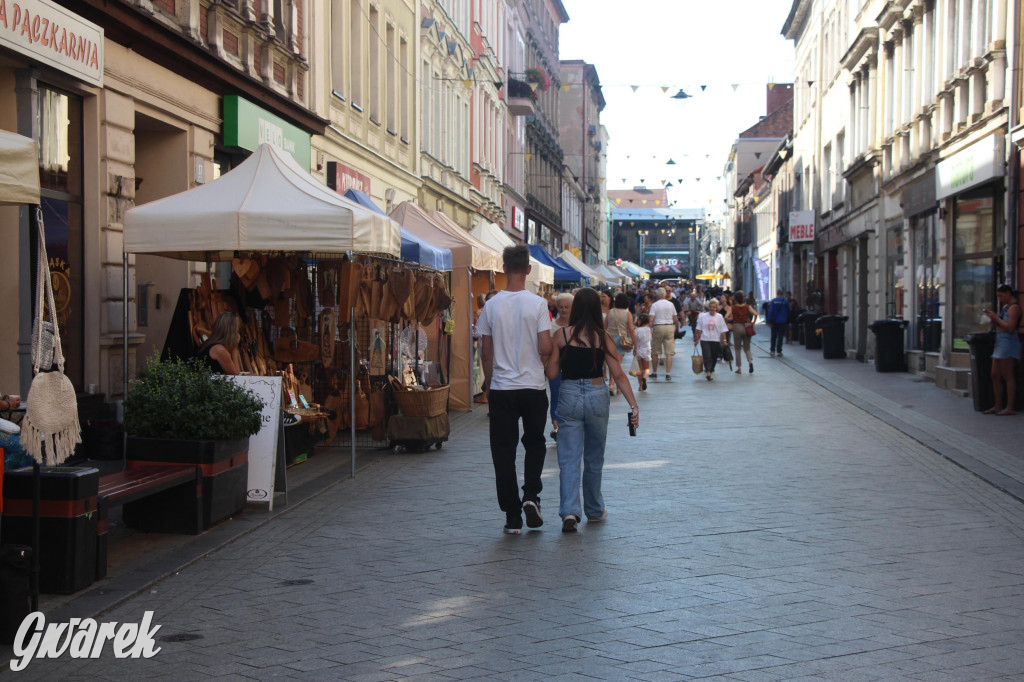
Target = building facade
(903,130)
(579,126)
(153,99)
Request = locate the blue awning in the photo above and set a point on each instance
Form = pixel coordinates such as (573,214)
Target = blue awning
(563,273)
(413,248)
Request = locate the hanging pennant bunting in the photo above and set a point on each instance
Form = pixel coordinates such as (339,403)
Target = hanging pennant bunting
(703,88)
(618,200)
(734,86)
(641,181)
(566,86)
(528,156)
(624,179)
(771,86)
(698,179)
(680,181)
(757,155)
(664,88)
(635,87)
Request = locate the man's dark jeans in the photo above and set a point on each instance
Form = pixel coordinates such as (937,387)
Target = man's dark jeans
(778,334)
(506,409)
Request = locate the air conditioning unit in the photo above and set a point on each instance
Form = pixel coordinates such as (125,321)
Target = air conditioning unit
(591,130)
(597,144)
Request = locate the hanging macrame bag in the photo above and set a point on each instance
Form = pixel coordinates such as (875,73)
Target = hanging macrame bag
(50,430)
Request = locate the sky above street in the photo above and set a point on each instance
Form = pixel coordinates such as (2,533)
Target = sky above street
(673,44)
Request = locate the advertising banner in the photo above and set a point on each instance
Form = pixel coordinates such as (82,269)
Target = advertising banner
(667,263)
(763,280)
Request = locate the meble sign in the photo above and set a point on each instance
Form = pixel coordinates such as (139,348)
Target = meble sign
(53,36)
(801,226)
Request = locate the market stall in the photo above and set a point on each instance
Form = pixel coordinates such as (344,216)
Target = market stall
(575,263)
(470,259)
(316,278)
(564,275)
(614,276)
(541,278)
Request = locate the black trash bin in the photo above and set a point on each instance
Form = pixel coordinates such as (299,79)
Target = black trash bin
(833,336)
(808,321)
(67,525)
(15,596)
(889,355)
(981,344)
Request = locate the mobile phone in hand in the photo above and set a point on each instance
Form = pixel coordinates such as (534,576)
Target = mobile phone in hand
(629,422)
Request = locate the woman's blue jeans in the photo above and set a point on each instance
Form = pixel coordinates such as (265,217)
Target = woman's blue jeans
(554,384)
(582,431)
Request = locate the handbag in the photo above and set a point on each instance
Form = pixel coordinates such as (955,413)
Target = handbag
(727,354)
(696,361)
(750,330)
(50,429)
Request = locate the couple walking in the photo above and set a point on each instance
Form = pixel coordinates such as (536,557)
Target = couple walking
(519,354)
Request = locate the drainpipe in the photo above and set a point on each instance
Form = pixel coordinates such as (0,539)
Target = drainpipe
(1013,172)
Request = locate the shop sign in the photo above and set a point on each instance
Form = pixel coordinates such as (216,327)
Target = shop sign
(977,164)
(518,220)
(342,178)
(52,35)
(801,226)
(919,196)
(248,126)
(264,447)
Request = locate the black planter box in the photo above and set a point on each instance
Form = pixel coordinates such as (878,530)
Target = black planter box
(225,466)
(67,523)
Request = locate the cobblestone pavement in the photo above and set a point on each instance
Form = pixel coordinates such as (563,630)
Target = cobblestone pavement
(760,528)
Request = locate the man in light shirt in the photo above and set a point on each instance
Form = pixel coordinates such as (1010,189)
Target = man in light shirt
(663,334)
(514,329)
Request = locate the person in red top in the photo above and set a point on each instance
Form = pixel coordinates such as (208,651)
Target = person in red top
(739,316)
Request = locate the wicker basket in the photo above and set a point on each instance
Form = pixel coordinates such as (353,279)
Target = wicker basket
(428,402)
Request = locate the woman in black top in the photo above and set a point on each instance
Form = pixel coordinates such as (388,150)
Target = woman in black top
(580,354)
(220,350)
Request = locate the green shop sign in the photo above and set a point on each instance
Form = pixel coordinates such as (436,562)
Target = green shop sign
(248,126)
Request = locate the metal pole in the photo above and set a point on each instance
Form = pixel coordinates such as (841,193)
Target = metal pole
(34,574)
(352,392)
(124,353)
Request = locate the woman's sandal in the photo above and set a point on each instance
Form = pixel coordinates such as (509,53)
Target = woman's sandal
(991,410)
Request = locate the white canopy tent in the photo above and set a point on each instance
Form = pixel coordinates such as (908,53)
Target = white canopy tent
(495,237)
(268,203)
(613,275)
(19,170)
(595,276)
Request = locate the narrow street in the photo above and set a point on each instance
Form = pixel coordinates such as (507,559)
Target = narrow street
(760,528)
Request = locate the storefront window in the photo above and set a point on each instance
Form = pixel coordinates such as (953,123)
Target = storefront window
(974,275)
(60,171)
(928,336)
(894,272)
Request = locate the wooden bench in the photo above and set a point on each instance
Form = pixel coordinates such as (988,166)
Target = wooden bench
(136,483)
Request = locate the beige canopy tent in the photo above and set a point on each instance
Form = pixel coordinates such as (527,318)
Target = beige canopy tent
(578,265)
(495,237)
(468,256)
(268,203)
(19,170)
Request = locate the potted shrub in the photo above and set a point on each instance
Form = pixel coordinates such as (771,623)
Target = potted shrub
(179,412)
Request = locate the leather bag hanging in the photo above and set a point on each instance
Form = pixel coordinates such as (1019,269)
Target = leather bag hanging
(50,429)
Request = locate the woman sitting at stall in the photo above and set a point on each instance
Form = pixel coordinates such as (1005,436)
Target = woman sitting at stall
(220,350)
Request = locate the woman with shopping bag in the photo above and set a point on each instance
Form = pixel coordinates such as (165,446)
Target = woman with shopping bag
(712,334)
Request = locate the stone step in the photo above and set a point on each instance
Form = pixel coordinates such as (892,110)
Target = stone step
(953,378)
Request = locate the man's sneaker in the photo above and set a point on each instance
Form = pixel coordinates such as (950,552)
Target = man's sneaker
(771,354)
(532,511)
(569,524)
(596,519)
(513,523)
(780,352)
(654,375)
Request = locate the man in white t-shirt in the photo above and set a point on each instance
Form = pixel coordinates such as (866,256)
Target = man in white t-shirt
(664,325)
(514,329)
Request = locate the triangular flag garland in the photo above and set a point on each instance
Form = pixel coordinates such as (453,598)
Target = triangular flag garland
(635,87)
(566,86)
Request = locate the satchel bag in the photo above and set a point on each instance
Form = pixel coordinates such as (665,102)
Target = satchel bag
(50,429)
(622,329)
(750,330)
(696,361)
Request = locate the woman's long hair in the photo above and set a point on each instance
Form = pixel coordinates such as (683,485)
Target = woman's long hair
(225,332)
(586,321)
